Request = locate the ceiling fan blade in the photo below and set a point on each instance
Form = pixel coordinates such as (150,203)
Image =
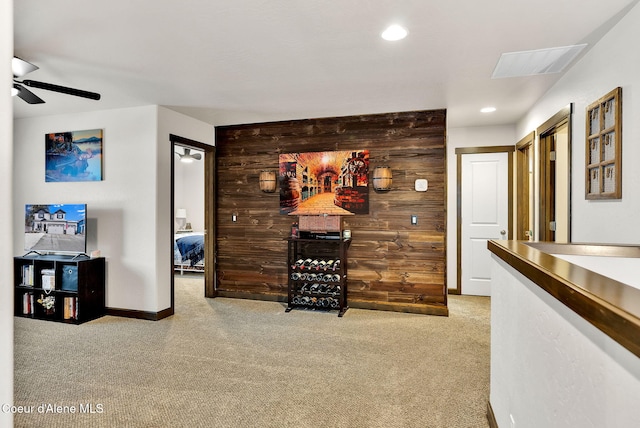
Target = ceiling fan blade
(187,153)
(27,95)
(61,89)
(21,67)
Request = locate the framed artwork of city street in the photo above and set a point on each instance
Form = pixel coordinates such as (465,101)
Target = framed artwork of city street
(333,183)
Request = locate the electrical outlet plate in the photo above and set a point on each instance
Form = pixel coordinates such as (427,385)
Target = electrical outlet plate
(414,220)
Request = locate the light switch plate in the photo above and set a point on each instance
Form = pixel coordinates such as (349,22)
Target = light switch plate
(421,185)
(414,220)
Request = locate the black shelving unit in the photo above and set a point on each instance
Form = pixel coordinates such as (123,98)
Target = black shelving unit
(317,274)
(79,293)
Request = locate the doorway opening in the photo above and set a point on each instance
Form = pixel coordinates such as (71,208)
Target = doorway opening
(192,209)
(524,188)
(554,154)
(484,211)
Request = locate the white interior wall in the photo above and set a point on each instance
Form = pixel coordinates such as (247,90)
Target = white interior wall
(585,400)
(193,190)
(178,183)
(480,136)
(121,219)
(614,61)
(552,368)
(129,211)
(562,186)
(170,122)
(189,190)
(6,250)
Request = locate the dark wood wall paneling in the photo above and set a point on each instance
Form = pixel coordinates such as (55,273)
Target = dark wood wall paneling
(392,264)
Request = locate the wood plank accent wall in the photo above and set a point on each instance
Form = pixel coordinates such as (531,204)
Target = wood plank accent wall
(392,264)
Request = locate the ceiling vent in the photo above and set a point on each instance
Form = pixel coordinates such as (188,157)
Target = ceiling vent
(531,63)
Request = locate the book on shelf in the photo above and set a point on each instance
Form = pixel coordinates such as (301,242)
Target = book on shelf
(27,275)
(71,308)
(27,304)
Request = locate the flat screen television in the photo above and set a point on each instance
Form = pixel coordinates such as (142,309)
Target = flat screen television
(55,228)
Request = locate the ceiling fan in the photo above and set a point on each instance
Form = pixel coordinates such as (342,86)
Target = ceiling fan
(187,157)
(21,67)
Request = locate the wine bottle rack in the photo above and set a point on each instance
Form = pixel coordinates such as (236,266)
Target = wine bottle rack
(317,274)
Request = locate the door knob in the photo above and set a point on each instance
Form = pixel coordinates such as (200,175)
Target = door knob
(503,232)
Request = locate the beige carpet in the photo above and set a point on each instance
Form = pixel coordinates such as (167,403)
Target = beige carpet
(243,363)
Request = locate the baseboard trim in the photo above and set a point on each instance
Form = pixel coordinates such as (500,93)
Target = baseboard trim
(143,315)
(413,308)
(359,304)
(252,296)
(491,417)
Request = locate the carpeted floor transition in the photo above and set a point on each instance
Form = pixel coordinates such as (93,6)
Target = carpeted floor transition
(243,363)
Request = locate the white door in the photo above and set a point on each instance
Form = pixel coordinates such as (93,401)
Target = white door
(485,209)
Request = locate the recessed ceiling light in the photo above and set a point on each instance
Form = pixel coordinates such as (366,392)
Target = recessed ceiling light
(488,110)
(394,32)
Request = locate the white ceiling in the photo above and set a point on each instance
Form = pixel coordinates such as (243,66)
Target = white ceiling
(246,61)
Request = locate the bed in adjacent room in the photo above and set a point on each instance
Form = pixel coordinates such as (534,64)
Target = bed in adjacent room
(188,252)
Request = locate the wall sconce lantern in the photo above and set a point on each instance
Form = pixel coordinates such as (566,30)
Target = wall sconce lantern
(268,181)
(382,178)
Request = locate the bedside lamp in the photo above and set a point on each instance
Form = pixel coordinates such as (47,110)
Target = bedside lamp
(181,218)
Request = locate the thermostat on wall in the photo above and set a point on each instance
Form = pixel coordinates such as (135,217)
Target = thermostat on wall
(422,185)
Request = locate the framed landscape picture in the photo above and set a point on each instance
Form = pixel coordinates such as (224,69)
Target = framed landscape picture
(73,156)
(333,183)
